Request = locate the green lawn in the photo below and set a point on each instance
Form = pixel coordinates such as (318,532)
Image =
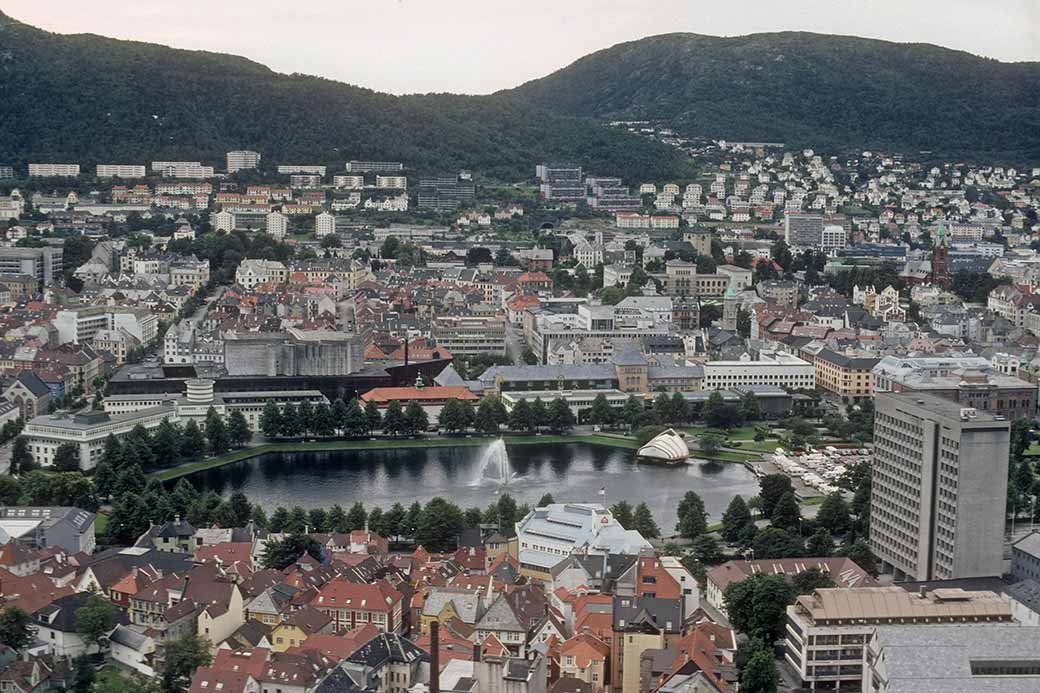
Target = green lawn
(100,523)
(1033,449)
(387,444)
(767,445)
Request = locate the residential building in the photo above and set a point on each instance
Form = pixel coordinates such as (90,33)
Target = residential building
(312,169)
(392,182)
(1025,558)
(939,485)
(561,182)
(782,292)
(44,264)
(186,170)
(120,171)
(242,159)
(847,376)
(82,325)
(828,631)
(277,225)
(252,272)
(324,225)
(53,170)
(586,658)
(640,624)
(352,604)
(349,182)
(444,192)
(771,368)
(374,166)
(70,529)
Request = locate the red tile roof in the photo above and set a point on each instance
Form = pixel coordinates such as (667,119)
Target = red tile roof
(384,395)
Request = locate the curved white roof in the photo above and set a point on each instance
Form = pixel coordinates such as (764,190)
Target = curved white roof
(667,445)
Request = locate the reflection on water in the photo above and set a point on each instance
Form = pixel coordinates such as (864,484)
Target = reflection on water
(383,477)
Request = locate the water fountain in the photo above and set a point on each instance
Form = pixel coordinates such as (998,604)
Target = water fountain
(494,465)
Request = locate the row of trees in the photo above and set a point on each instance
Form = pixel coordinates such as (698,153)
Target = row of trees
(674,410)
(457,416)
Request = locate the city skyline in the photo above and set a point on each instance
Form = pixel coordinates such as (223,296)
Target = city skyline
(467,47)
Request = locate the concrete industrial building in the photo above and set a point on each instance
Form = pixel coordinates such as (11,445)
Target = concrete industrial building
(293,352)
(939,488)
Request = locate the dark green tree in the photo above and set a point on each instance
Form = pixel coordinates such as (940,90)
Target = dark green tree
(787,514)
(166,444)
(238,432)
(415,418)
(21,457)
(643,522)
(271,420)
(760,675)
(393,419)
(601,413)
(216,433)
(375,419)
(290,425)
(772,487)
(520,418)
(66,457)
(622,512)
(693,518)
(749,409)
(15,630)
(833,514)
(773,542)
(561,418)
(182,658)
(356,422)
(82,675)
(337,519)
(339,414)
(820,544)
(487,419)
(808,581)
(356,517)
(193,442)
(439,525)
(736,520)
(279,554)
(757,605)
(95,619)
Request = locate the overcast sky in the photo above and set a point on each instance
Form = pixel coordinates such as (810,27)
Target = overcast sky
(479,46)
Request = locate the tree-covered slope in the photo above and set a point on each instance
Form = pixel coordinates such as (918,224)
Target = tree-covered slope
(89,99)
(802,88)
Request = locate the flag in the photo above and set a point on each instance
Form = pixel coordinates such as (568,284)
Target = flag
(603,491)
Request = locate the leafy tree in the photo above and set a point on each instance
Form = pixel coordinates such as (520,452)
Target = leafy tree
(271,420)
(772,487)
(282,553)
(184,494)
(82,675)
(487,419)
(375,521)
(520,418)
(410,524)
(773,542)
(506,514)
(718,414)
(356,517)
(643,522)
(66,457)
(375,419)
(706,549)
(787,514)
(439,524)
(193,443)
(130,480)
(601,413)
(21,457)
(393,419)
(393,521)
(259,517)
(710,443)
(166,444)
(539,414)
(279,520)
(240,508)
(95,619)
(760,675)
(305,417)
(453,417)
(216,433)
(834,515)
(415,418)
(297,520)
(356,423)
(546,499)
(749,409)
(336,519)
(680,410)
(290,425)
(1020,437)
(15,631)
(339,414)
(663,408)
(736,520)
(808,581)
(693,519)
(317,520)
(238,429)
(182,658)
(632,411)
(757,605)
(622,512)
(820,543)
(10,490)
(561,418)
(860,554)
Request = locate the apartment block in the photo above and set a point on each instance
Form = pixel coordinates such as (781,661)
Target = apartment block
(349,182)
(771,368)
(194,171)
(847,376)
(471,335)
(42,263)
(392,182)
(53,170)
(242,159)
(374,166)
(939,488)
(312,169)
(120,171)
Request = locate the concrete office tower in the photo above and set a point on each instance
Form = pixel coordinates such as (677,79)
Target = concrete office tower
(939,488)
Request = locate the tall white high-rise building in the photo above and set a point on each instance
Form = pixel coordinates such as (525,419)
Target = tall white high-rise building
(939,487)
(242,159)
(324,225)
(277,225)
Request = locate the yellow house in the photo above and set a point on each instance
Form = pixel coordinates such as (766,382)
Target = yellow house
(444,604)
(294,630)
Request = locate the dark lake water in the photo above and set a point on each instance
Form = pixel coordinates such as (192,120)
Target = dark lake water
(573,472)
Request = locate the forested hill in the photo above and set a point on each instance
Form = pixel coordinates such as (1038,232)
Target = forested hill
(89,99)
(800,88)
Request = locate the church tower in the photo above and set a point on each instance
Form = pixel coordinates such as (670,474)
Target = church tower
(729,310)
(941,257)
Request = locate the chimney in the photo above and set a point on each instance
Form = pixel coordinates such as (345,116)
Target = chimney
(476,652)
(435,657)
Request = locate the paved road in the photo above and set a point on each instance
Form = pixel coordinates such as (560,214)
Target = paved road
(514,344)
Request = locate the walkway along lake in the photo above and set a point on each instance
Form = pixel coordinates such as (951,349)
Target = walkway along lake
(570,472)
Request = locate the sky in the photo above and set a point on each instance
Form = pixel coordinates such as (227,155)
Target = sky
(480,46)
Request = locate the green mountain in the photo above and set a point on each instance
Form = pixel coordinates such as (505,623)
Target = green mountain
(808,89)
(91,99)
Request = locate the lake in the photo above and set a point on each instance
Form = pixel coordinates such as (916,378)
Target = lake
(571,472)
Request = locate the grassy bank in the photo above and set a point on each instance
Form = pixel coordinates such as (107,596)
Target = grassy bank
(388,444)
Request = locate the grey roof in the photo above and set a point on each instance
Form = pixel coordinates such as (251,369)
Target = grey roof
(647,613)
(32,382)
(387,648)
(128,637)
(500,616)
(844,361)
(339,681)
(565,372)
(1029,544)
(1026,593)
(50,515)
(943,658)
(468,604)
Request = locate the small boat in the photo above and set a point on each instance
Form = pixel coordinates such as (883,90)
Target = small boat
(667,447)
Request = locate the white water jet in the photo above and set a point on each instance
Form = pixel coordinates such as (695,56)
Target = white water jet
(494,465)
